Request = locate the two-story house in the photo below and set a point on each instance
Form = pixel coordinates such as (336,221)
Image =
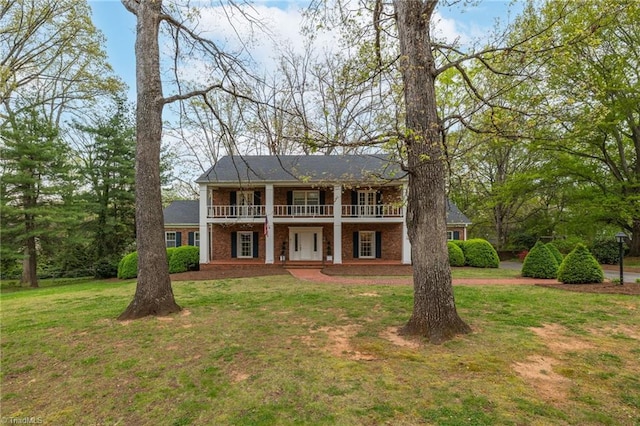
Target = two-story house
(295,208)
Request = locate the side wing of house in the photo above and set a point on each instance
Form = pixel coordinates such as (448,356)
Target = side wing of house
(182,223)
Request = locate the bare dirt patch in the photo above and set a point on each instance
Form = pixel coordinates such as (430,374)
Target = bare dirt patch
(339,343)
(555,338)
(391,334)
(538,372)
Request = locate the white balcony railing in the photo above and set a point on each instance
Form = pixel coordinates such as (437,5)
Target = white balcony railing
(380,211)
(304,211)
(236,211)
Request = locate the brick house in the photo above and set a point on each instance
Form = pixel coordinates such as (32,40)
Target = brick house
(287,209)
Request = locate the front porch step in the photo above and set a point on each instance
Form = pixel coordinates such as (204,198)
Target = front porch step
(293,264)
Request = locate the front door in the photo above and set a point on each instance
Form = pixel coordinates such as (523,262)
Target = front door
(305,243)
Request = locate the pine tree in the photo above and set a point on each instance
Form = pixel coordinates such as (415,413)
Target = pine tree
(36,189)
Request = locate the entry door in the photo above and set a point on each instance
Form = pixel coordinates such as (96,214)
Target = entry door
(305,244)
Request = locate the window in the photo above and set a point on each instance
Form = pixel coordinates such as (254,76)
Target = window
(306,202)
(453,235)
(366,203)
(196,239)
(245,244)
(367,245)
(245,203)
(170,239)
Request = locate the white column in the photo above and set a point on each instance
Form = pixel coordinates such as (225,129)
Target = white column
(204,235)
(406,244)
(270,238)
(337,224)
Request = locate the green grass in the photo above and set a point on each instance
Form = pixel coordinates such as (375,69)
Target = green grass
(273,350)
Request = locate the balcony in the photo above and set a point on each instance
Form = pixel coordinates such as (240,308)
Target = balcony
(306,211)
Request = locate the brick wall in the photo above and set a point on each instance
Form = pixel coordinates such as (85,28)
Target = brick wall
(184,231)
(391,239)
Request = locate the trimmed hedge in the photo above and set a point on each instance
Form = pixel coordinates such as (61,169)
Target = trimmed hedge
(540,262)
(555,252)
(179,259)
(128,266)
(479,253)
(184,258)
(580,267)
(456,256)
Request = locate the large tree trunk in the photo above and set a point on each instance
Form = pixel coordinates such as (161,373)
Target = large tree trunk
(30,262)
(154,295)
(634,245)
(434,311)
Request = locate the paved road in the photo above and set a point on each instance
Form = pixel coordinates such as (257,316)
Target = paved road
(629,277)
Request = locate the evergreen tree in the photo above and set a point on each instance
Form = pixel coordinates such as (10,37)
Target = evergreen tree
(36,189)
(107,162)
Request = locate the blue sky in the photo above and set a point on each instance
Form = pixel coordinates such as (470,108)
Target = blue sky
(118,26)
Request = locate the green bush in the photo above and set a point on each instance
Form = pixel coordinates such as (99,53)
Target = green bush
(105,268)
(540,263)
(555,252)
(184,258)
(128,266)
(170,252)
(480,253)
(456,256)
(606,250)
(580,267)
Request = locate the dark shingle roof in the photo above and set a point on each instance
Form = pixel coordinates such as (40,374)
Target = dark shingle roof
(183,212)
(455,216)
(302,168)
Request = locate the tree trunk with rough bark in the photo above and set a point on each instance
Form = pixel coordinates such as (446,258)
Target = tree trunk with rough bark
(154,295)
(434,310)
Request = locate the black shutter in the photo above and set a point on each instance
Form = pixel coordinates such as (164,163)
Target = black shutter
(178,239)
(256,241)
(289,201)
(323,199)
(354,198)
(232,202)
(190,239)
(456,235)
(378,244)
(234,244)
(256,202)
(356,243)
(379,203)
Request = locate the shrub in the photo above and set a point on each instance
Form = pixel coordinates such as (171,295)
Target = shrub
(606,250)
(580,267)
(456,256)
(184,258)
(105,268)
(555,252)
(540,263)
(170,252)
(128,266)
(480,253)
(461,244)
